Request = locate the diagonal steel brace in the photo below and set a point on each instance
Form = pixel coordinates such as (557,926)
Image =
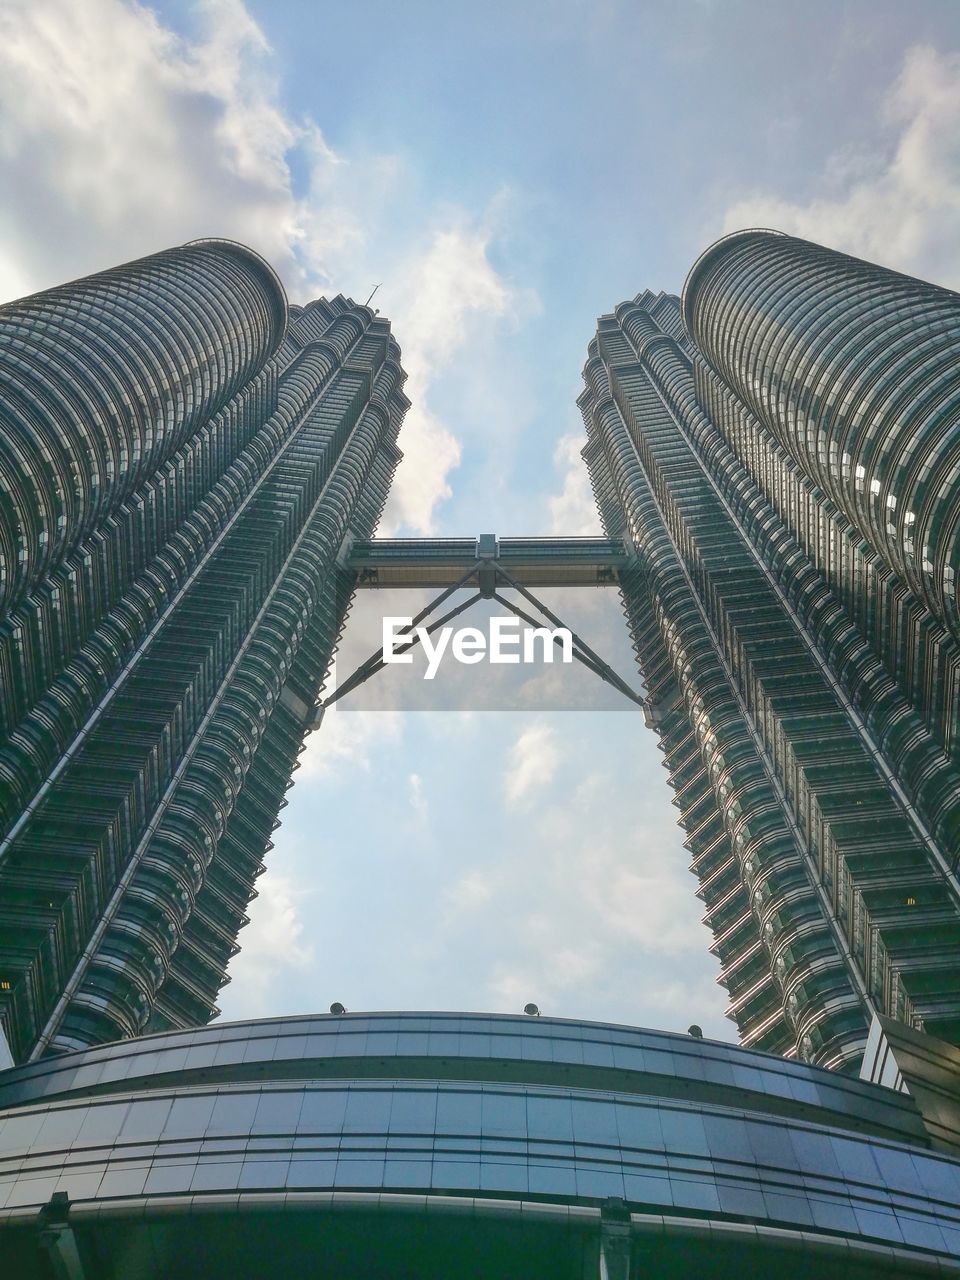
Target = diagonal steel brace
(596,663)
(375,662)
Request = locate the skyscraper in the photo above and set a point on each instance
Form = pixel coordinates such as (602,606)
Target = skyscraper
(191,474)
(781,447)
(183,461)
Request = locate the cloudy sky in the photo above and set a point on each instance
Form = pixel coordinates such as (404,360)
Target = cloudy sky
(506,172)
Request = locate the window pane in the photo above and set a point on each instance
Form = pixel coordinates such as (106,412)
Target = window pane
(233,1113)
(413,1111)
(278,1112)
(503,1115)
(458,1112)
(367,1111)
(550,1117)
(323,1111)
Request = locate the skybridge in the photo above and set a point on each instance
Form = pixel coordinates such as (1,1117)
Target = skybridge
(529,562)
(486,567)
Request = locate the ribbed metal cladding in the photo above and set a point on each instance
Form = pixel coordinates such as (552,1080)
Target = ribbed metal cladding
(159,692)
(854,370)
(103,379)
(819,804)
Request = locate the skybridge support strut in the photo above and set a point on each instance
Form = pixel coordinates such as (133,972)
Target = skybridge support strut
(595,663)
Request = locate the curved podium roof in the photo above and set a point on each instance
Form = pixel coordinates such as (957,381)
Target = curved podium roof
(431,1144)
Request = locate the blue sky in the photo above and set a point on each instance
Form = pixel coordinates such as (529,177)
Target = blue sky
(508,172)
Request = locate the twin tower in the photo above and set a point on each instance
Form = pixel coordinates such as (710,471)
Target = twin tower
(187,466)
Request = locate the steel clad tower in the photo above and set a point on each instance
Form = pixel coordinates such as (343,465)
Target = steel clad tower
(190,477)
(182,463)
(782,450)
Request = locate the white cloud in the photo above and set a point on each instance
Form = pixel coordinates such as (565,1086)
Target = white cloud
(418,800)
(899,206)
(435,297)
(347,740)
(449,282)
(118,138)
(573,511)
(602,921)
(274,943)
(582,901)
(470,892)
(640,902)
(534,759)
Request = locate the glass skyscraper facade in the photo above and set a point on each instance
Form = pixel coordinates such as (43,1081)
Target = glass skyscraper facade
(183,460)
(781,449)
